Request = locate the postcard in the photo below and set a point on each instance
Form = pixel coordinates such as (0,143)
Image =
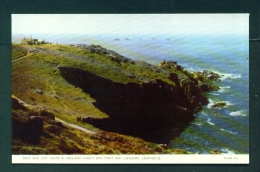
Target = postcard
(130,88)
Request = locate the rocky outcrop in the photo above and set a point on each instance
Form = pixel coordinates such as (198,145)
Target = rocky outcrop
(101,50)
(219,104)
(143,108)
(170,64)
(152,103)
(47,114)
(195,80)
(156,102)
(28,121)
(207,76)
(27,128)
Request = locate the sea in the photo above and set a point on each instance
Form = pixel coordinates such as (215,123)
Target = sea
(224,129)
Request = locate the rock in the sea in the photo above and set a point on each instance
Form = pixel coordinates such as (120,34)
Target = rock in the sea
(219,104)
(214,151)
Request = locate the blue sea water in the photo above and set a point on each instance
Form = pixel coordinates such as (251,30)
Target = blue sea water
(225,129)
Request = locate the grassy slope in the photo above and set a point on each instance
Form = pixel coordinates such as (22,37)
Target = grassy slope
(65,140)
(18,51)
(40,72)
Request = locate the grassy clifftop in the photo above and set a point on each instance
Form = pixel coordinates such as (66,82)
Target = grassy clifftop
(139,99)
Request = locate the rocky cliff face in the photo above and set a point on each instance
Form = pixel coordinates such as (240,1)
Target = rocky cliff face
(27,124)
(139,107)
(140,99)
(142,107)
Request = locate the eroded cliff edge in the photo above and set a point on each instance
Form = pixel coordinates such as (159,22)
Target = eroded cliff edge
(145,106)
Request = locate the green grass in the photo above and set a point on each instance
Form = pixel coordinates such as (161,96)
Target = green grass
(66,140)
(18,51)
(40,71)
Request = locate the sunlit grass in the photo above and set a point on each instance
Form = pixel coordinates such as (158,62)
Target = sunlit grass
(40,71)
(65,140)
(18,51)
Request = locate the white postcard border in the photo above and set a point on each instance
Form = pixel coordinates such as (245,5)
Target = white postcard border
(131,159)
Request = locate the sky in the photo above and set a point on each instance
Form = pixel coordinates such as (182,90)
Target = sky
(152,24)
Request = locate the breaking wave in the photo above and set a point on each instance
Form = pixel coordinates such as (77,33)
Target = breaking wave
(210,123)
(228,131)
(238,113)
(227,151)
(230,76)
(225,76)
(224,89)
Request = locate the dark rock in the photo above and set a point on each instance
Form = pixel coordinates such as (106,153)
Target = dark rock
(84,120)
(17,105)
(169,64)
(174,77)
(206,87)
(132,103)
(36,124)
(178,67)
(47,114)
(206,76)
(214,151)
(27,128)
(59,124)
(79,119)
(219,104)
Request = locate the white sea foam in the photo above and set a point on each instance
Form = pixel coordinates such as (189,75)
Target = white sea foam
(199,124)
(210,104)
(226,151)
(227,75)
(210,123)
(203,113)
(224,89)
(228,103)
(230,76)
(216,94)
(238,113)
(228,131)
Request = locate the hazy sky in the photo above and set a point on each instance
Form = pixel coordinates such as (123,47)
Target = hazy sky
(130,23)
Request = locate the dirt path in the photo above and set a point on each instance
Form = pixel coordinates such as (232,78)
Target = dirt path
(57,119)
(75,126)
(27,55)
(40,107)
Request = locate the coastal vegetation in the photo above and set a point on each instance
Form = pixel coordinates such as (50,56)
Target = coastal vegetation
(18,51)
(130,105)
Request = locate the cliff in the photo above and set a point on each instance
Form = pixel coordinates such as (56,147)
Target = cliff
(112,92)
(145,106)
